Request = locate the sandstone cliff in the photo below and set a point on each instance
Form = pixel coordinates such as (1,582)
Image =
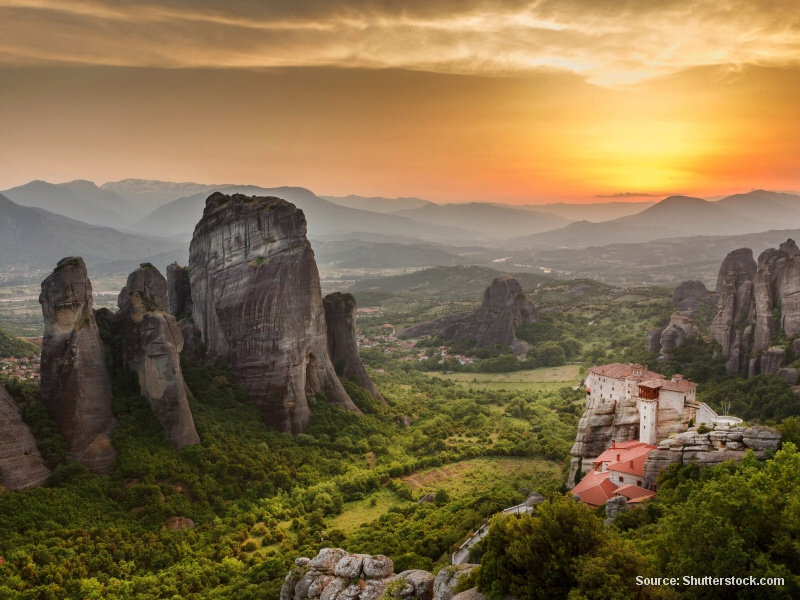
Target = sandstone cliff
(152,343)
(755,300)
(503,309)
(21,464)
(340,316)
(75,384)
(179,291)
(724,442)
(257,304)
(732,327)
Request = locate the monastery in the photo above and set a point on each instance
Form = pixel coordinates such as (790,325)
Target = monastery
(629,411)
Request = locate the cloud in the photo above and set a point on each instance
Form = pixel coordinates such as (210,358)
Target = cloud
(628,195)
(606,42)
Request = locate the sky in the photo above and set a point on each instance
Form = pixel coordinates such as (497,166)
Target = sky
(470,100)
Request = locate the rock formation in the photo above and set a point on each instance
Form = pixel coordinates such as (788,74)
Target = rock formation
(179,291)
(257,304)
(336,575)
(653,340)
(732,326)
(340,316)
(21,464)
(152,342)
(756,299)
(75,384)
(503,309)
(724,442)
(689,290)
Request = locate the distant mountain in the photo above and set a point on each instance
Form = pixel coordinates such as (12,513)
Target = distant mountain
(150,193)
(676,216)
(488,221)
(772,208)
(80,200)
(446,283)
(35,238)
(324,218)
(377,203)
(596,212)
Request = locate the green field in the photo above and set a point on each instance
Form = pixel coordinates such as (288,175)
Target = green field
(544,379)
(457,479)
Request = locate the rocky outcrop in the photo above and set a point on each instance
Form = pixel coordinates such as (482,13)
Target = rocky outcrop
(336,575)
(257,304)
(76,384)
(340,317)
(653,340)
(504,308)
(614,506)
(733,325)
(607,420)
(771,360)
(470,594)
(724,442)
(152,343)
(689,290)
(754,304)
(21,465)
(179,291)
(447,580)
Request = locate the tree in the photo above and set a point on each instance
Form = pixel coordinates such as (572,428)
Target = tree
(533,557)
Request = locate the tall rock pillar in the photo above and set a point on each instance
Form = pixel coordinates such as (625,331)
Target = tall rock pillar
(258,305)
(340,316)
(76,384)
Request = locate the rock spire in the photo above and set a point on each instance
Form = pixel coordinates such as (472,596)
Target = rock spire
(257,304)
(152,343)
(503,309)
(76,384)
(340,316)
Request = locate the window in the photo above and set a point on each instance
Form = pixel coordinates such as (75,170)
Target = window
(620,479)
(639,483)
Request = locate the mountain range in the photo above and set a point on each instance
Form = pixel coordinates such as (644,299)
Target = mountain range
(36,238)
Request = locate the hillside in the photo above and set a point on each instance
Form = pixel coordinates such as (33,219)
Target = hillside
(150,194)
(488,221)
(79,200)
(35,238)
(323,217)
(11,345)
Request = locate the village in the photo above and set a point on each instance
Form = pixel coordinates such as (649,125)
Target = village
(24,369)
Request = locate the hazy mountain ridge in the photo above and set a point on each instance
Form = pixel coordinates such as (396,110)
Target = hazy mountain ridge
(323,217)
(676,216)
(38,238)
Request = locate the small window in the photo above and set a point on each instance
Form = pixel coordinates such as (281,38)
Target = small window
(620,479)
(639,483)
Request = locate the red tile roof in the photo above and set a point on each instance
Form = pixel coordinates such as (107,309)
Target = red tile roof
(634,493)
(632,461)
(594,489)
(624,371)
(682,385)
(620,448)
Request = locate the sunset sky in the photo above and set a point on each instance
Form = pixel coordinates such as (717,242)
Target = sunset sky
(502,100)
